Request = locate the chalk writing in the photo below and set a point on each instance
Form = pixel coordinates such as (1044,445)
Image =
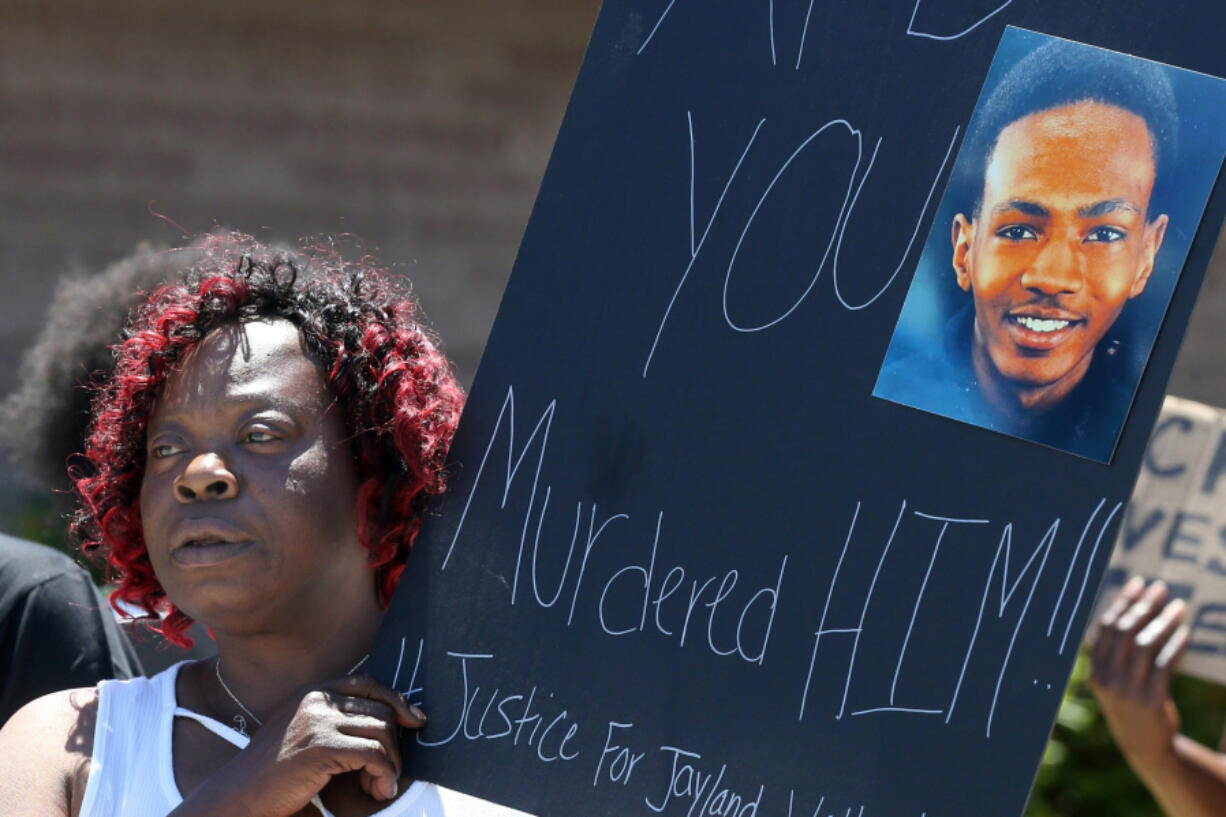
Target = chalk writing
(688,782)
(855,183)
(732,587)
(666,778)
(504,717)
(912,32)
(638,597)
(834,272)
(656,27)
(1001,562)
(733,627)
(695,247)
(621,766)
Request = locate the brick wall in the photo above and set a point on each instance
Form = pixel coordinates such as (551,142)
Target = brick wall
(423,127)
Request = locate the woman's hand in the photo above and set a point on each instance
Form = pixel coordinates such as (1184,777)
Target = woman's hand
(1140,639)
(345,725)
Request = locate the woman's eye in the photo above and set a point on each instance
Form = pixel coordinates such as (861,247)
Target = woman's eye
(1106,235)
(1017,232)
(258,437)
(163,450)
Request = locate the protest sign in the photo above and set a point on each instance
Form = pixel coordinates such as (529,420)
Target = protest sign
(1174,528)
(689,563)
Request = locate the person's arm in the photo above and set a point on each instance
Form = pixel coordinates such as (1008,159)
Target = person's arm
(59,634)
(44,755)
(1140,639)
(344,726)
(69,637)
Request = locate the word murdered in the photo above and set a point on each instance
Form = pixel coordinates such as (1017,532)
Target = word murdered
(737,622)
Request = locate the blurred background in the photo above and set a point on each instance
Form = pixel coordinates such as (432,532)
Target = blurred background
(421,128)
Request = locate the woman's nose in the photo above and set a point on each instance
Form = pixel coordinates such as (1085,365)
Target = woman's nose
(206,477)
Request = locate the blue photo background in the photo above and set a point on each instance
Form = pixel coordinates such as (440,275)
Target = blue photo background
(1182,193)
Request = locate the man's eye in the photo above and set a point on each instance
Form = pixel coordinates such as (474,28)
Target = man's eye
(1017,232)
(1106,235)
(258,437)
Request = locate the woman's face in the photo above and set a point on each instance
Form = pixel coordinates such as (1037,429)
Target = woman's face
(249,496)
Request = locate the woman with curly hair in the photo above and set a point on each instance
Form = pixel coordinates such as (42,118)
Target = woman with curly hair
(259,461)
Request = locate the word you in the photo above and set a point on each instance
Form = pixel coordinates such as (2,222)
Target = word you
(841,129)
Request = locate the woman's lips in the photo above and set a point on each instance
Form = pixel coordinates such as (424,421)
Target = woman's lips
(1040,333)
(201,553)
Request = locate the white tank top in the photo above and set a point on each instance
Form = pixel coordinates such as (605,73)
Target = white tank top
(131,773)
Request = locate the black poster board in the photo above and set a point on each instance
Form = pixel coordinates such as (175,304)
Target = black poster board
(688,564)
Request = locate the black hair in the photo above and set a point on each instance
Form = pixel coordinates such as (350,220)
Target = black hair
(42,422)
(1062,73)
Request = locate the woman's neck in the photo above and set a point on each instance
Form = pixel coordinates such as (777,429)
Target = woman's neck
(262,669)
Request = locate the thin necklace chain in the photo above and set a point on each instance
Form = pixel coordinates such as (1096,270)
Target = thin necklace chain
(239,720)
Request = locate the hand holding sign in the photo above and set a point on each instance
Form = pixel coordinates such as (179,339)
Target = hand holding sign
(1139,640)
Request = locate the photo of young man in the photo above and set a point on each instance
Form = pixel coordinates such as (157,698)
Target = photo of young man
(1058,232)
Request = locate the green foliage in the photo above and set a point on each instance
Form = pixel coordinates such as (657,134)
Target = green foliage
(36,519)
(1082,773)
(40,519)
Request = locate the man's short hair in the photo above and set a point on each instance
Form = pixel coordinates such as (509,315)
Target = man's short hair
(1063,73)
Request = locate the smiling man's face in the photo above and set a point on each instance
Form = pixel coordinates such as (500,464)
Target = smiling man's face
(1061,241)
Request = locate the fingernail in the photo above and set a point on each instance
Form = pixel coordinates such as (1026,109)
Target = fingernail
(417,713)
(394,789)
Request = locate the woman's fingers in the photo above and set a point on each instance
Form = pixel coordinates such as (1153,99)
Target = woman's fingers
(363,686)
(372,712)
(347,725)
(369,757)
(361,707)
(366,782)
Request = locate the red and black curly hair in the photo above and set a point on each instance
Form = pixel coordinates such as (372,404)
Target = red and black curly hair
(396,391)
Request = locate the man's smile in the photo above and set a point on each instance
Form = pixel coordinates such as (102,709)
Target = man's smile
(1041,330)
